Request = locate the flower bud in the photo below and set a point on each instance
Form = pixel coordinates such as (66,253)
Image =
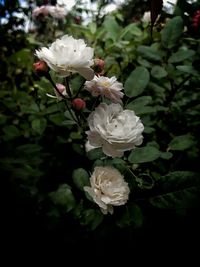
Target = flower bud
(61,88)
(41,68)
(196,19)
(99,65)
(78,104)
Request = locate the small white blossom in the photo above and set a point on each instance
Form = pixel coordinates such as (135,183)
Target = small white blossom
(67,56)
(114,129)
(108,188)
(104,86)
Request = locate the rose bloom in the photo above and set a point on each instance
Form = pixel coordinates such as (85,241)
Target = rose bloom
(108,188)
(68,55)
(114,129)
(104,86)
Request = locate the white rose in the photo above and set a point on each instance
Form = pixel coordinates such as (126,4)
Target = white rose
(114,129)
(68,55)
(104,86)
(108,188)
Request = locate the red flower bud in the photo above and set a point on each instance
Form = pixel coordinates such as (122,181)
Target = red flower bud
(41,68)
(196,19)
(78,104)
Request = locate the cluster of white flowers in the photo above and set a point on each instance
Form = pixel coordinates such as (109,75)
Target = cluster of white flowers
(110,126)
(57,12)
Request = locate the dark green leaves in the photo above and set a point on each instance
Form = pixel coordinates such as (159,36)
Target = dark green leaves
(11,132)
(39,125)
(178,190)
(181,55)
(132,216)
(182,142)
(80,178)
(149,53)
(112,28)
(63,196)
(136,82)
(144,154)
(172,32)
(158,72)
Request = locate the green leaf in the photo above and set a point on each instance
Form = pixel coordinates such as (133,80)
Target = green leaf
(145,110)
(172,32)
(92,27)
(39,125)
(184,198)
(149,53)
(57,119)
(112,28)
(143,154)
(11,132)
(187,69)
(178,180)
(95,153)
(30,109)
(132,216)
(136,82)
(132,29)
(80,178)
(181,55)
(182,142)
(22,57)
(29,149)
(139,101)
(63,196)
(179,190)
(166,155)
(92,218)
(158,72)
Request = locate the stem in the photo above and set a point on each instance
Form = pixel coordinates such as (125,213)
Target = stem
(80,89)
(175,89)
(48,77)
(68,87)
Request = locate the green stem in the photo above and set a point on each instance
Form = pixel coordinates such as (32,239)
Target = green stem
(80,89)
(68,87)
(48,77)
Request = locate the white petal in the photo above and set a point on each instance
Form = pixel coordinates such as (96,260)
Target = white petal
(87,73)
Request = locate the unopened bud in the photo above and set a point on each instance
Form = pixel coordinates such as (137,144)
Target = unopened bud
(41,68)
(99,65)
(61,88)
(78,104)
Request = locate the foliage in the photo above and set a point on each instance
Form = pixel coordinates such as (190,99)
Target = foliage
(43,147)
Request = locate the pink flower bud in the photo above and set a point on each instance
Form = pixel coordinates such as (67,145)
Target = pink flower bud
(40,68)
(78,104)
(61,88)
(99,65)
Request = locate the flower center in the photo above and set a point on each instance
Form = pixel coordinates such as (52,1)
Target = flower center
(105,84)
